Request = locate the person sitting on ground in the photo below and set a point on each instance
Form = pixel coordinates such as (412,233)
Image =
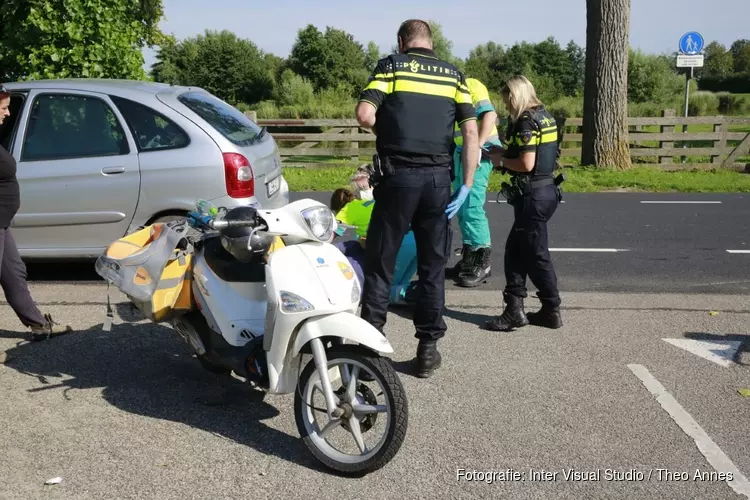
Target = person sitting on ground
(353,207)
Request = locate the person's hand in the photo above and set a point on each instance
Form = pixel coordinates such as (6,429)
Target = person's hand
(496,155)
(458,199)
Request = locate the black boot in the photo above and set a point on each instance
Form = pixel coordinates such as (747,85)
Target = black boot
(479,271)
(463,265)
(512,317)
(547,317)
(428,358)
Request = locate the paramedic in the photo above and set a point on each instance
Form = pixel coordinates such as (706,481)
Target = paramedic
(474,266)
(411,103)
(531,158)
(12,268)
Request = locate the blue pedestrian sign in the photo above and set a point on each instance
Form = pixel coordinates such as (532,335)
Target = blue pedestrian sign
(691,43)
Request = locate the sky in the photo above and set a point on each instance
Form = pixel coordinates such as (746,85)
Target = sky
(273,25)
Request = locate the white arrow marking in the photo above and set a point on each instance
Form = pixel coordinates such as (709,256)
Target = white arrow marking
(720,352)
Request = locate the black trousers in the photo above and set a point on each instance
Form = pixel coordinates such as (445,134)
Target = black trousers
(416,196)
(13,282)
(527,247)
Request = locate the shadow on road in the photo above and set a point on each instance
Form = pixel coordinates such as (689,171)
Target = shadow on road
(40,271)
(143,369)
(710,337)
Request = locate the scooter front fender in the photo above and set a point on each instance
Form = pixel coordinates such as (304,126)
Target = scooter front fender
(344,325)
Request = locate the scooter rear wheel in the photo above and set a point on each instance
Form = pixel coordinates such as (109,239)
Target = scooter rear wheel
(360,416)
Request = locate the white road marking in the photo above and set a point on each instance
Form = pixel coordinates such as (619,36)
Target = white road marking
(721,353)
(738,251)
(683,202)
(505,201)
(588,249)
(718,460)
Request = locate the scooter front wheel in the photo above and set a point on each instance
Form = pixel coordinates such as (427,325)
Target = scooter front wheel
(362,410)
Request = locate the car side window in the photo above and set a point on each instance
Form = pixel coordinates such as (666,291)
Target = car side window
(65,126)
(152,130)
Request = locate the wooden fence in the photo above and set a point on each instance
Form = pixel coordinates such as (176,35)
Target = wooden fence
(714,141)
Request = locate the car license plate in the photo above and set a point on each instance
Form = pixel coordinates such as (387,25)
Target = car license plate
(273,185)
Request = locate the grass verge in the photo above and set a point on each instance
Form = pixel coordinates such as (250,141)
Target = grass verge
(578,180)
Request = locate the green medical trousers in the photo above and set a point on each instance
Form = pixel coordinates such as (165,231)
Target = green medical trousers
(472,219)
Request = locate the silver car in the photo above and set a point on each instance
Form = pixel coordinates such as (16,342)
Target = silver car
(98,158)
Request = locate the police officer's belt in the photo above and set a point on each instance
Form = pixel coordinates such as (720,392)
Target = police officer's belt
(539,183)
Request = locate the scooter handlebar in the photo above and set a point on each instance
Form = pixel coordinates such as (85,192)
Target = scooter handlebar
(221,224)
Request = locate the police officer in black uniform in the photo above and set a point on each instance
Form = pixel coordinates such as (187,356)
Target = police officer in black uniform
(534,193)
(411,102)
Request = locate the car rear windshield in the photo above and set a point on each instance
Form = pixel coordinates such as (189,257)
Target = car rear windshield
(227,120)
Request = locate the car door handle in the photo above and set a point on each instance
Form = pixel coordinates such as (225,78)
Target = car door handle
(113,170)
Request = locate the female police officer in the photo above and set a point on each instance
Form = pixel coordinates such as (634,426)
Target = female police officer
(530,157)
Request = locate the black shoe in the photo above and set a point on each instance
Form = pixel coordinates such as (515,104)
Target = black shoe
(512,317)
(463,265)
(547,317)
(480,270)
(428,358)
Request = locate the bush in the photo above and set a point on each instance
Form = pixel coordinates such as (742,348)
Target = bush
(703,103)
(736,84)
(733,104)
(652,79)
(294,90)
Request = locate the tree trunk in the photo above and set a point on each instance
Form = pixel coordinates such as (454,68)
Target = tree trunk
(605,94)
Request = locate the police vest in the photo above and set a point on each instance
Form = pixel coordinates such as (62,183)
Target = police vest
(419,110)
(480,98)
(543,138)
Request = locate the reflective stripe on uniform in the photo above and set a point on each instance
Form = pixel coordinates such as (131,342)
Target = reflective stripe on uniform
(481,102)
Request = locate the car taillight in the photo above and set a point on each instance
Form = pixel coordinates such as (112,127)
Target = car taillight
(239,176)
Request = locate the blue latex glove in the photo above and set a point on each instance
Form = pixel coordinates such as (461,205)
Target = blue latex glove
(458,199)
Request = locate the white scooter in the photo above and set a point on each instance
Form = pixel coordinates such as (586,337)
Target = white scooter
(257,316)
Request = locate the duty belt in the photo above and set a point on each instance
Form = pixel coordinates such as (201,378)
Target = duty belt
(523,185)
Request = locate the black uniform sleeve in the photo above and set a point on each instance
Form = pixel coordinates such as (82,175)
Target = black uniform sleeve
(524,137)
(464,105)
(379,85)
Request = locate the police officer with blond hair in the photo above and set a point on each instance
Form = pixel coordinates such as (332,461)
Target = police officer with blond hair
(534,193)
(411,102)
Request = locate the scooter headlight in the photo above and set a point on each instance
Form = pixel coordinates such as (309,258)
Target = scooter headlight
(321,222)
(291,303)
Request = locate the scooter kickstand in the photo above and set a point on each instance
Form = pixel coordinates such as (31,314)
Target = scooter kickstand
(321,363)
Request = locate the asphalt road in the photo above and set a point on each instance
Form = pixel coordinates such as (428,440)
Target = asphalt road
(119,414)
(607,242)
(636,242)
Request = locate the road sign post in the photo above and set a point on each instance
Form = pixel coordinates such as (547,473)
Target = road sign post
(691,45)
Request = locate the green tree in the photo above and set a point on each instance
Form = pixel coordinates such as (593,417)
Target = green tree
(372,56)
(573,76)
(741,56)
(333,59)
(519,59)
(78,38)
(718,62)
(231,68)
(652,78)
(485,63)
